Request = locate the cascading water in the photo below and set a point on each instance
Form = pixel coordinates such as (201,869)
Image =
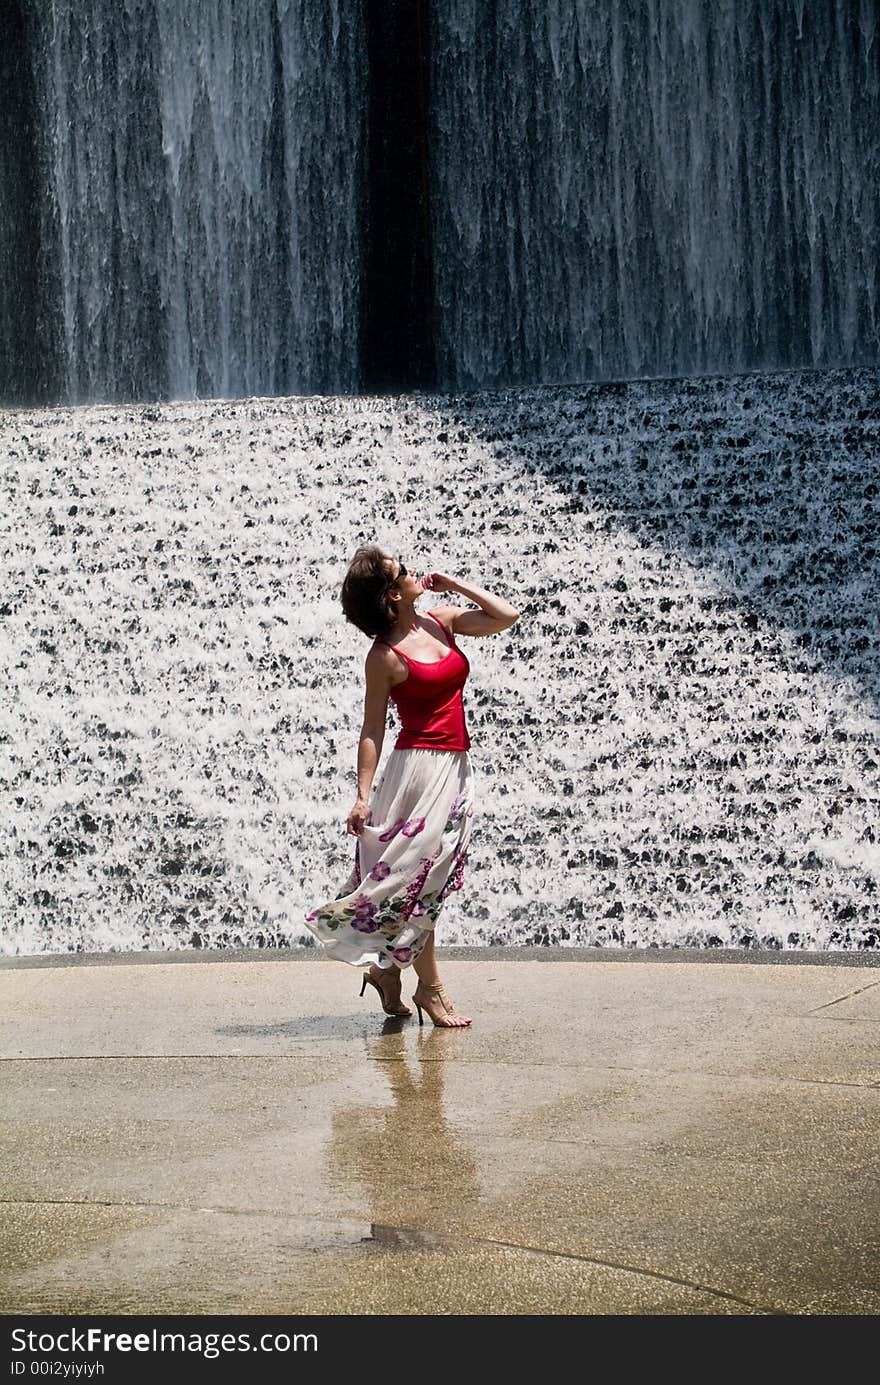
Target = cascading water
(654,187)
(677,743)
(201,171)
(643,187)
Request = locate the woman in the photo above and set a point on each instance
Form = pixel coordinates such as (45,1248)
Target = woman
(412,841)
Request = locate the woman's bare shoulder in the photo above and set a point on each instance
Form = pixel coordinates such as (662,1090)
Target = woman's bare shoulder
(381,663)
(447,615)
(378,654)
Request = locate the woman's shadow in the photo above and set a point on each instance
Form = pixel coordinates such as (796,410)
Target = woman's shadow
(406,1152)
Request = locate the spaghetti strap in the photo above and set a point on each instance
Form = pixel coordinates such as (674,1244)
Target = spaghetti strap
(447,634)
(446,631)
(394,650)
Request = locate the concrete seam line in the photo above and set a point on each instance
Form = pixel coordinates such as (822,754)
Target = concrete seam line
(442,1237)
(220,1211)
(849,995)
(527,953)
(424,1234)
(464,1063)
(309,1217)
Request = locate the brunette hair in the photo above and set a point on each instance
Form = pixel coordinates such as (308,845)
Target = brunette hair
(365,592)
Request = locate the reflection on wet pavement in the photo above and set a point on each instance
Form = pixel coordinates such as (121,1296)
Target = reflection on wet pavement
(401,1147)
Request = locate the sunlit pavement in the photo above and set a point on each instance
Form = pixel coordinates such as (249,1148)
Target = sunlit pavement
(192,1133)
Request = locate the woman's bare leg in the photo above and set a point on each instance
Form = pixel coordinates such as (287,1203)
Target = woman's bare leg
(429,991)
(425,965)
(387,982)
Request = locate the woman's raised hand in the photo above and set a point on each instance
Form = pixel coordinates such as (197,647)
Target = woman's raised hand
(356,818)
(438,582)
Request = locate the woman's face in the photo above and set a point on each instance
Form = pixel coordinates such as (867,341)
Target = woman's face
(407,584)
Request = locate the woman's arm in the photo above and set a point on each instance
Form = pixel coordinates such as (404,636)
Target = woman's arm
(372,734)
(495,613)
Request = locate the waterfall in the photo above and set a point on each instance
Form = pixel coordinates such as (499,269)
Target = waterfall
(654,187)
(239,197)
(676,744)
(200,174)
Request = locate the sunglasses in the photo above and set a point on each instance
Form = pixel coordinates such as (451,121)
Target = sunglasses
(401,572)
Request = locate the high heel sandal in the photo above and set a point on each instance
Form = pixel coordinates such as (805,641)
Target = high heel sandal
(391,1004)
(424,997)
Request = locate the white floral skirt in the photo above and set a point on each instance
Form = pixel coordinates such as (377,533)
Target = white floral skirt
(410,856)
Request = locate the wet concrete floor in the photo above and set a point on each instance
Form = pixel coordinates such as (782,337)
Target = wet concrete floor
(189,1133)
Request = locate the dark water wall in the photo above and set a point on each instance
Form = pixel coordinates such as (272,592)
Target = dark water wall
(198,176)
(397,342)
(19,241)
(646,187)
(236,197)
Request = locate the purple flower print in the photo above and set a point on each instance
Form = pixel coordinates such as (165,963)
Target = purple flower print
(470,811)
(418,910)
(380,870)
(456,879)
(413,826)
(391,831)
(411,898)
(362,924)
(310,918)
(363,921)
(402,954)
(456,808)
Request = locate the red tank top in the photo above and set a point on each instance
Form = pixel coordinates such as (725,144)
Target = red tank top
(429,701)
